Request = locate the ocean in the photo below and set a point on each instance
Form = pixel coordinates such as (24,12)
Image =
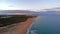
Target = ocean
(46,24)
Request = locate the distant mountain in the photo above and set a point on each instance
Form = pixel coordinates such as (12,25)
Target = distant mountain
(52,11)
(15,11)
(18,12)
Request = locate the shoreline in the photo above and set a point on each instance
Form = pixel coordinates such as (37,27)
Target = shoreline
(27,25)
(23,27)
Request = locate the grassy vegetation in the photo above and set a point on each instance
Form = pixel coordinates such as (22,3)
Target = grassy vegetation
(13,19)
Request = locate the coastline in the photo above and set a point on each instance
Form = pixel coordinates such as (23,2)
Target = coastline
(31,26)
(22,27)
(26,25)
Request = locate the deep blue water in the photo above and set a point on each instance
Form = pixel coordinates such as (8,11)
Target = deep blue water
(47,24)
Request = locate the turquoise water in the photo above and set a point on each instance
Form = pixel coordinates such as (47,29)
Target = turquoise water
(47,24)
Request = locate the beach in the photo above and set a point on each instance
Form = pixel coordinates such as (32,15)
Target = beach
(22,27)
(17,28)
(16,24)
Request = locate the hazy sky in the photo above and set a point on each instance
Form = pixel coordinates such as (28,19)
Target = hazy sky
(28,4)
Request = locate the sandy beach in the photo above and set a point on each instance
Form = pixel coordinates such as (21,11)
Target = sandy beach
(22,27)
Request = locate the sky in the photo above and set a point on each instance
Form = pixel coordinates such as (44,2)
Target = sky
(28,4)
